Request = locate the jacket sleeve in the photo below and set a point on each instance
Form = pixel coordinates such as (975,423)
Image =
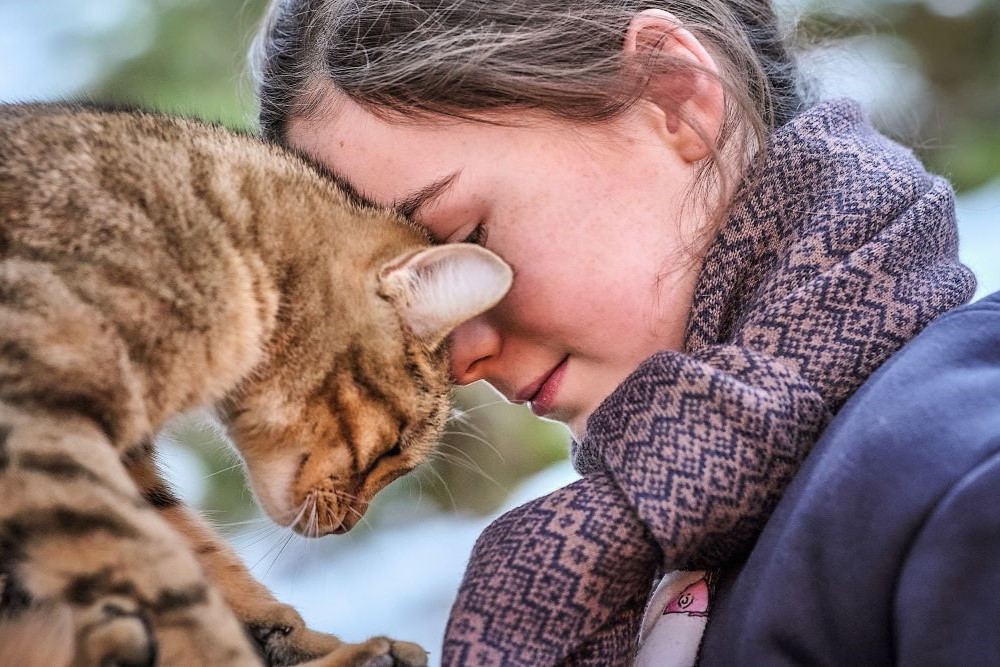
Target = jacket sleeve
(946,603)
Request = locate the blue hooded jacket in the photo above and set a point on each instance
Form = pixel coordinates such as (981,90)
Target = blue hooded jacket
(885,549)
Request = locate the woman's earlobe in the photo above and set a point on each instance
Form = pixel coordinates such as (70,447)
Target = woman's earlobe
(681,79)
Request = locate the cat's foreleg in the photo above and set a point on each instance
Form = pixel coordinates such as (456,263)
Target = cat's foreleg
(280,632)
(74,530)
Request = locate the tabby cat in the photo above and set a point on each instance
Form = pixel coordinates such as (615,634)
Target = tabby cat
(150,265)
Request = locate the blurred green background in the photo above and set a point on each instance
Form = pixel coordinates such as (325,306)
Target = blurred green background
(927,70)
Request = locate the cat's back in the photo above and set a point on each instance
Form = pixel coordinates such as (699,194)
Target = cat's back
(38,142)
(49,133)
(137,223)
(86,165)
(181,237)
(84,177)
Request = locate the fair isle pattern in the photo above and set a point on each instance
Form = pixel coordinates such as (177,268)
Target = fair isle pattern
(838,250)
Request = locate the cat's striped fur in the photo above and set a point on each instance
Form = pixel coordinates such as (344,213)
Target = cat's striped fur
(150,265)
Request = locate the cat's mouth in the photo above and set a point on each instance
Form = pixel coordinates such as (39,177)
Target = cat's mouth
(328,511)
(323,510)
(313,507)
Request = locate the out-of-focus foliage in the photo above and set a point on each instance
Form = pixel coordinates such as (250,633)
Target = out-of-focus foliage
(941,95)
(955,47)
(196,63)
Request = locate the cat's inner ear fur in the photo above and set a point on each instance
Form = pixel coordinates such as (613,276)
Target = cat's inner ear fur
(438,288)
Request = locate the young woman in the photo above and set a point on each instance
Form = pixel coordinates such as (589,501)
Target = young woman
(706,267)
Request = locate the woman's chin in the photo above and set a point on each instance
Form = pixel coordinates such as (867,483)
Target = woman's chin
(578,426)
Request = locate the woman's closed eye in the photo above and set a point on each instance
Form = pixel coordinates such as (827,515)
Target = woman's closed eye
(477,236)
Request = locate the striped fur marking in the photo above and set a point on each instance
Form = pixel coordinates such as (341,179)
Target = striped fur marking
(36,524)
(56,465)
(4,453)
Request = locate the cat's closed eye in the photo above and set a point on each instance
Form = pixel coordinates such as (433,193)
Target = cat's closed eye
(397,450)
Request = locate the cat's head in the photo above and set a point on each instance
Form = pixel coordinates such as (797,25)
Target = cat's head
(331,420)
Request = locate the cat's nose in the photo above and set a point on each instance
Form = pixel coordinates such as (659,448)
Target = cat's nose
(475,344)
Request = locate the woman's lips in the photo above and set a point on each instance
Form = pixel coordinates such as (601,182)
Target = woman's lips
(541,393)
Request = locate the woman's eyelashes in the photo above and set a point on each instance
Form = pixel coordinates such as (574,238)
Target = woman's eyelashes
(478,235)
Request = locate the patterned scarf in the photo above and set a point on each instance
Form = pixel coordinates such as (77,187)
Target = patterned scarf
(837,250)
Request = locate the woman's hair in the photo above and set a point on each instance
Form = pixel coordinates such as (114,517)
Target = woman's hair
(475,58)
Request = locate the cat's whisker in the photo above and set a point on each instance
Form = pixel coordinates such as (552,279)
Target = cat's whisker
(470,465)
(362,519)
(341,496)
(459,413)
(301,513)
(331,518)
(464,420)
(443,446)
(314,519)
(254,529)
(284,543)
(310,514)
(269,530)
(444,484)
(247,522)
(420,490)
(239,536)
(477,438)
(263,536)
(283,546)
(268,552)
(410,481)
(345,494)
(466,425)
(238,464)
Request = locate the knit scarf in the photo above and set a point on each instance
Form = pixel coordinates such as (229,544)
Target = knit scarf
(838,249)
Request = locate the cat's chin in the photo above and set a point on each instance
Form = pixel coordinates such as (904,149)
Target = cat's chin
(320,515)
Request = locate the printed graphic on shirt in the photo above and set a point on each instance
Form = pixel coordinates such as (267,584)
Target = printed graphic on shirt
(675,620)
(692,601)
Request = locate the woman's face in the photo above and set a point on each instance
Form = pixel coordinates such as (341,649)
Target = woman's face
(589,217)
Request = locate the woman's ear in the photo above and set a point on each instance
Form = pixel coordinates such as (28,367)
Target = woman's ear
(683,83)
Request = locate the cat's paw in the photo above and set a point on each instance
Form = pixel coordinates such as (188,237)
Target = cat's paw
(376,652)
(114,632)
(283,638)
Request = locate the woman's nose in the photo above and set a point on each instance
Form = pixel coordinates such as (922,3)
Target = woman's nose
(474,345)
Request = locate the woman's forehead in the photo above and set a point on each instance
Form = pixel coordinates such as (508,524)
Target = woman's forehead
(389,160)
(381,159)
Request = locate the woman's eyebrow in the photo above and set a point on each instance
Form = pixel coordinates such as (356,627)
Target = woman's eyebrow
(412,202)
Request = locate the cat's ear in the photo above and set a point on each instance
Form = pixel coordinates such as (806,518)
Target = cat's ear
(438,288)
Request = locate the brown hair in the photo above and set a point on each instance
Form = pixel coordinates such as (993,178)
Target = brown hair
(473,58)
(466,57)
